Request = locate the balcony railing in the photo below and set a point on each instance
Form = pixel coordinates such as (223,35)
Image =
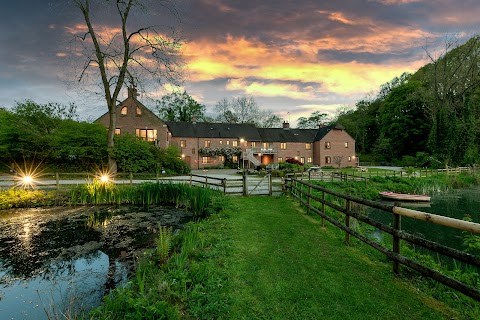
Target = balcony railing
(263,150)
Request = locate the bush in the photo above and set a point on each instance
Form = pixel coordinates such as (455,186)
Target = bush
(293,161)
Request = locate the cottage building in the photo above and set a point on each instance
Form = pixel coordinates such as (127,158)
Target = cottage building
(251,146)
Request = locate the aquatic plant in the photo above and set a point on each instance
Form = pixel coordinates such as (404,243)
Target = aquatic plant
(200,201)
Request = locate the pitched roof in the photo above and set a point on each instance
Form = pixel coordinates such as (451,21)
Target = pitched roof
(287,135)
(213,130)
(322,131)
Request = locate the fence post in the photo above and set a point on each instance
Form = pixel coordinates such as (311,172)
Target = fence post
(156,176)
(323,208)
(270,188)
(224,182)
(308,199)
(245,190)
(309,175)
(397,225)
(347,222)
(301,193)
(131,178)
(57,180)
(190,179)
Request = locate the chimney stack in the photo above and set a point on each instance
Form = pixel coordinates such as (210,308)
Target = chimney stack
(132,93)
(286,125)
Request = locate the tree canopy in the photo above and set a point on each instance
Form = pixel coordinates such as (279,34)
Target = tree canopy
(245,110)
(433,112)
(180,107)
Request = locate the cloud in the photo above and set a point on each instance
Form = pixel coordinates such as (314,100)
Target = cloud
(258,88)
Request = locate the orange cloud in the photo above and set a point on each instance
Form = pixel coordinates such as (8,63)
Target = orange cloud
(239,59)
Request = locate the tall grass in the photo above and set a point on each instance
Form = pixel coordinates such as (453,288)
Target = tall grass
(200,201)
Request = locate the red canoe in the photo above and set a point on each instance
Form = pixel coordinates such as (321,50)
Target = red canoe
(404,196)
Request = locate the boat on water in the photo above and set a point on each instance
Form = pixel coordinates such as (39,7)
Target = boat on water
(404,196)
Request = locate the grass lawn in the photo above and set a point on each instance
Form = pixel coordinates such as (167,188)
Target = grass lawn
(282,264)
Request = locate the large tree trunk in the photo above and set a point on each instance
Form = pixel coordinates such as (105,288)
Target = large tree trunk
(112,161)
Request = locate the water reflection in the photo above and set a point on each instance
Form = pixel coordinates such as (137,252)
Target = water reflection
(60,259)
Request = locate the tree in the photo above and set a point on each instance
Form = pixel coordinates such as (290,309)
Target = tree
(313,121)
(245,110)
(129,52)
(180,107)
(338,160)
(451,79)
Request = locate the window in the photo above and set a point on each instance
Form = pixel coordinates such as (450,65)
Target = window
(283,146)
(349,159)
(309,160)
(205,159)
(193,150)
(235,159)
(147,134)
(253,144)
(183,143)
(206,144)
(328,160)
(328,145)
(302,159)
(117,131)
(124,111)
(308,146)
(346,144)
(228,142)
(138,111)
(234,143)
(221,158)
(220,142)
(280,159)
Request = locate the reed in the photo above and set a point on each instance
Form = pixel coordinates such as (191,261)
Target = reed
(200,201)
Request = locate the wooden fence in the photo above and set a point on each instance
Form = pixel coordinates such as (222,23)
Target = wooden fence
(317,201)
(243,185)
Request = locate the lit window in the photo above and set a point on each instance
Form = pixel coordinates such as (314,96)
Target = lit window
(265,145)
(349,159)
(234,143)
(204,159)
(147,134)
(207,144)
(253,144)
(328,145)
(235,158)
(346,144)
(221,158)
(183,143)
(309,160)
(220,142)
(328,160)
(283,146)
(117,131)
(302,159)
(124,111)
(138,111)
(280,159)
(308,146)
(228,142)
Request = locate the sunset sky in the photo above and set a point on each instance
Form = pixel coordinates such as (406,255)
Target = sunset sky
(293,57)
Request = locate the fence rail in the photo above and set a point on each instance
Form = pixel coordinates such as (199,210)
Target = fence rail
(302,190)
(243,185)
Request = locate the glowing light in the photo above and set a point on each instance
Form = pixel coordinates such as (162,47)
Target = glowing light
(27,179)
(104,178)
(183,156)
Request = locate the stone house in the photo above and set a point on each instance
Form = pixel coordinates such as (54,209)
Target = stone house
(325,146)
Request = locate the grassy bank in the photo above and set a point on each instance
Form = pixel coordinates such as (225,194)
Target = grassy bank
(425,185)
(263,258)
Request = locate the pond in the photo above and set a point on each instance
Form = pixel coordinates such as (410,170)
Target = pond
(62,260)
(456,204)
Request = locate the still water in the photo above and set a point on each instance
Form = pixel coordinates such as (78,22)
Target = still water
(456,204)
(56,261)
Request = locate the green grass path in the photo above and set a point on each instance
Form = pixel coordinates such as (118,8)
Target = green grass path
(284,265)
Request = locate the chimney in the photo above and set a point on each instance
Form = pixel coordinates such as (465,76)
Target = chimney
(286,125)
(132,93)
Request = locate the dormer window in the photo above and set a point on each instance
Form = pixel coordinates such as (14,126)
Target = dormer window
(138,111)
(124,111)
